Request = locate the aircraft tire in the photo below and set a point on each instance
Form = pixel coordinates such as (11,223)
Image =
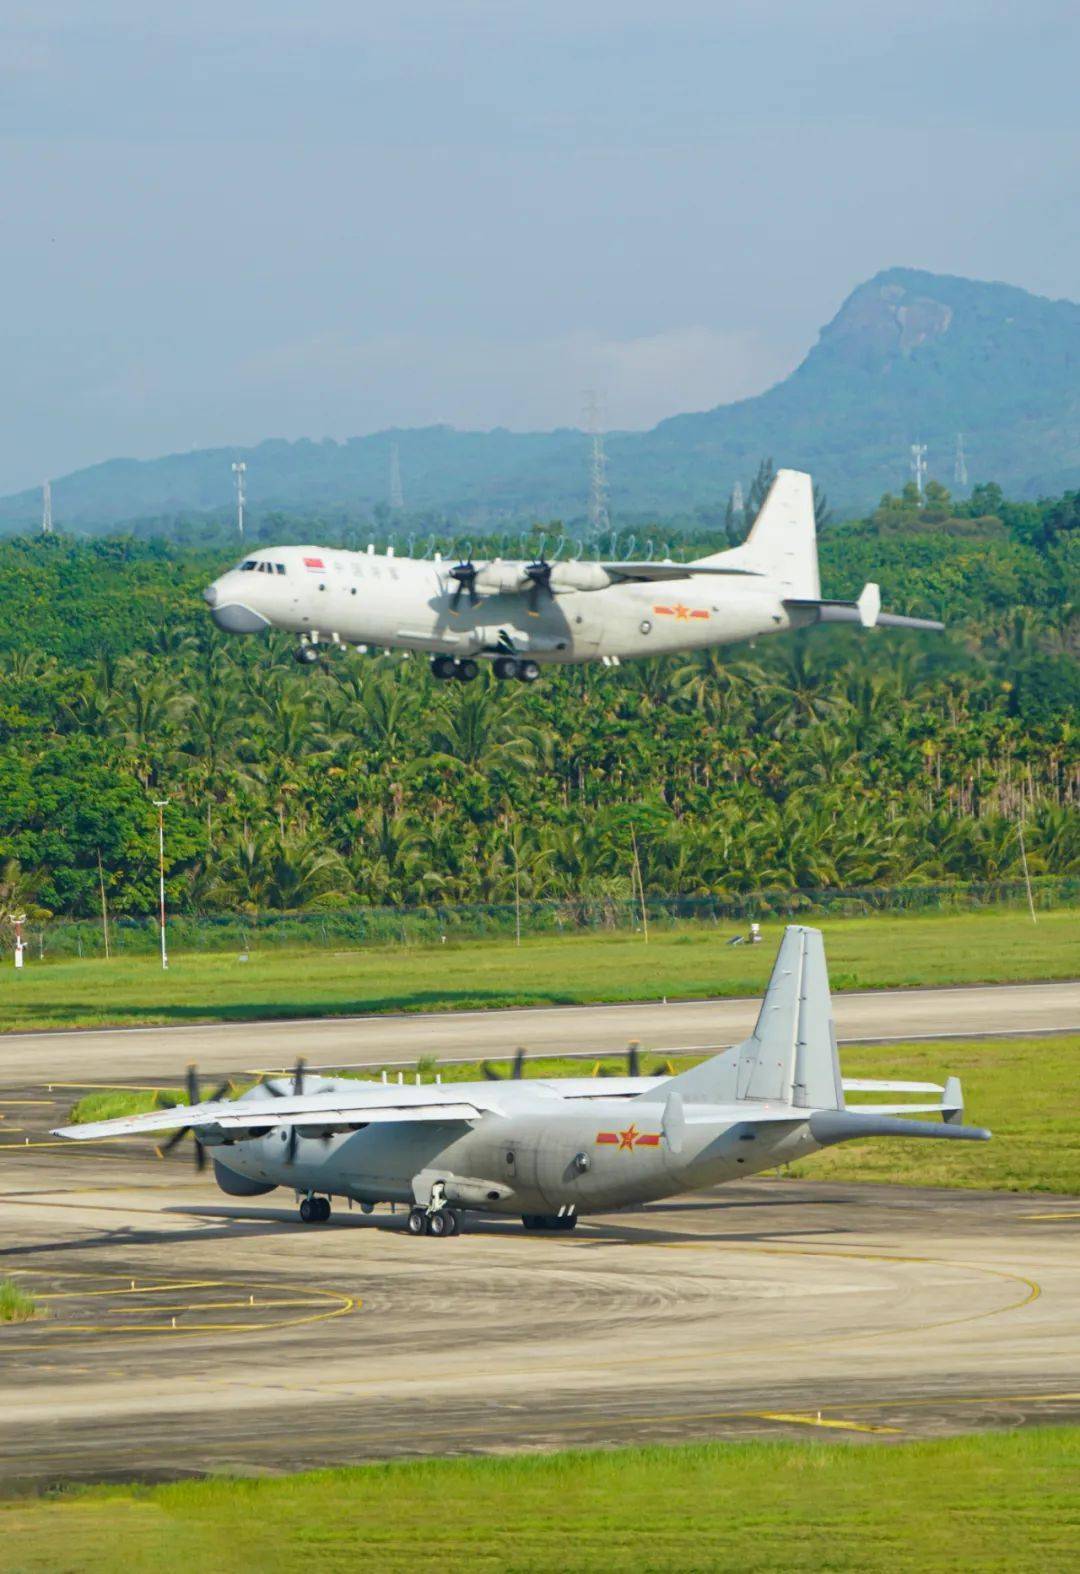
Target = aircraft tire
(504,667)
(324,1209)
(305,655)
(466,670)
(443,667)
(416,1223)
(528,671)
(440,1223)
(309,1210)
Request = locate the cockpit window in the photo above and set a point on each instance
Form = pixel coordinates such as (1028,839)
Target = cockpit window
(250,564)
(280,567)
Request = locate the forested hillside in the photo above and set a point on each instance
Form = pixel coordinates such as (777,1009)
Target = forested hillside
(834,758)
(910,356)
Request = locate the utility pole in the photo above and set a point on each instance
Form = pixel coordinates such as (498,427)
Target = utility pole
(397,496)
(239,473)
(46,509)
(599,519)
(960,470)
(159,805)
(918,467)
(104,905)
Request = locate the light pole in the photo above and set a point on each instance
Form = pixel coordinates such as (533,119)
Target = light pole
(240,471)
(159,805)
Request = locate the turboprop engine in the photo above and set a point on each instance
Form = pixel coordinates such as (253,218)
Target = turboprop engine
(497,578)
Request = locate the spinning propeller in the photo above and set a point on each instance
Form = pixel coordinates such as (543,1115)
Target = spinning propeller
(193,1097)
(465,574)
(538,574)
(296,1090)
(516,1073)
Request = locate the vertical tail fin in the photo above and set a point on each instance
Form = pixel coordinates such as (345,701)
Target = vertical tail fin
(790,1058)
(783,540)
(791,1055)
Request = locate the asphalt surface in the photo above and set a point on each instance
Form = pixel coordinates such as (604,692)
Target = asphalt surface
(186,1332)
(147,1053)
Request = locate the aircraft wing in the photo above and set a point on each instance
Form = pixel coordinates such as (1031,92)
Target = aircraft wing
(371,1103)
(657,571)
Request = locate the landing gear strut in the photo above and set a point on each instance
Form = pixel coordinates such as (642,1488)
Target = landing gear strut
(315,1210)
(438,1218)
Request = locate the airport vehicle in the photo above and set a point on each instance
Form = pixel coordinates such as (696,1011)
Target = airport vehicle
(521,616)
(550,1150)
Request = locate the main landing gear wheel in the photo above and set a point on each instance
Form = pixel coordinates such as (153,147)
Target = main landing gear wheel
(504,667)
(306,654)
(528,671)
(442,667)
(466,671)
(416,1223)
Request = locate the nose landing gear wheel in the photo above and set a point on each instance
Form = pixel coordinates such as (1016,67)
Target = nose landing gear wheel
(306,654)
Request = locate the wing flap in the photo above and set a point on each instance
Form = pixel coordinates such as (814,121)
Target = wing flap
(647,572)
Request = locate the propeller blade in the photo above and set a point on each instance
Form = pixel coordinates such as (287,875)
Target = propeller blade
(490,1073)
(200,1156)
(274,1092)
(298,1076)
(290,1146)
(192,1079)
(177,1136)
(220,1092)
(633,1059)
(519,1065)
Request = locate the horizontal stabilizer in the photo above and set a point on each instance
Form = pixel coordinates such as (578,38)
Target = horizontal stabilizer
(807,610)
(828,1126)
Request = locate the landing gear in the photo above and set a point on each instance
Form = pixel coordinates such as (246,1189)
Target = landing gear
(446,667)
(315,1210)
(444,1221)
(305,655)
(549,1221)
(511,667)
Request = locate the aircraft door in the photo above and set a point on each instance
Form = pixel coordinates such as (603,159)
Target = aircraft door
(517,1164)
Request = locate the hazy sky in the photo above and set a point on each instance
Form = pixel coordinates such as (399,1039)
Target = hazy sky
(228,221)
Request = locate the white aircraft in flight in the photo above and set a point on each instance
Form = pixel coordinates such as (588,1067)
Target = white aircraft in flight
(521,616)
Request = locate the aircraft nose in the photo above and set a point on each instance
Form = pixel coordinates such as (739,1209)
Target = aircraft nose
(210,595)
(235,618)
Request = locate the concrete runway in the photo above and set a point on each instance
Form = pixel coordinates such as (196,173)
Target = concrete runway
(143,1054)
(187,1332)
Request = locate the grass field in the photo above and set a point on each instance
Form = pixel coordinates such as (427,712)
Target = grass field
(1026,1090)
(1006,1501)
(15,1305)
(864,953)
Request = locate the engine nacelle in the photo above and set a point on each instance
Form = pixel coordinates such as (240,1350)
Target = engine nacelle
(240,1185)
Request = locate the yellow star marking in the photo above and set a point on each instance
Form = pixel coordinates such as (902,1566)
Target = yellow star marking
(681,611)
(627,1137)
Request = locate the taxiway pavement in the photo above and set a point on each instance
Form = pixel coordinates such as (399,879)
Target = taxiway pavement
(148,1053)
(186,1332)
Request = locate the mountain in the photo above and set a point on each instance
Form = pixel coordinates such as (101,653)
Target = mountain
(910,356)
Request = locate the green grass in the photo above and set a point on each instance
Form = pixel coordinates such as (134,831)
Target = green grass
(864,953)
(1024,1089)
(15,1305)
(993,1502)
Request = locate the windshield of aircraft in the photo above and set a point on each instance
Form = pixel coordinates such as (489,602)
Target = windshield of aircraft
(257,565)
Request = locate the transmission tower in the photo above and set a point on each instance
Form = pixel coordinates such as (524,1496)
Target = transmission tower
(240,475)
(738,507)
(46,509)
(918,466)
(599,518)
(960,470)
(397,497)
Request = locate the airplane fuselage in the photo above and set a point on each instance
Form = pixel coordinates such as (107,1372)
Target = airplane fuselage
(373,599)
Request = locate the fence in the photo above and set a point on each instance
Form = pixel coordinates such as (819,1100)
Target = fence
(429,926)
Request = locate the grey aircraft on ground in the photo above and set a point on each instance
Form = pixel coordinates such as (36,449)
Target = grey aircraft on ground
(551,1149)
(522,615)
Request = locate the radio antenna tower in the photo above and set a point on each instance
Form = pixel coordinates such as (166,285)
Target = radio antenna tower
(918,467)
(599,518)
(960,470)
(240,472)
(397,497)
(46,510)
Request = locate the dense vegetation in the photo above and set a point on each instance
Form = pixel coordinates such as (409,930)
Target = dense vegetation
(829,759)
